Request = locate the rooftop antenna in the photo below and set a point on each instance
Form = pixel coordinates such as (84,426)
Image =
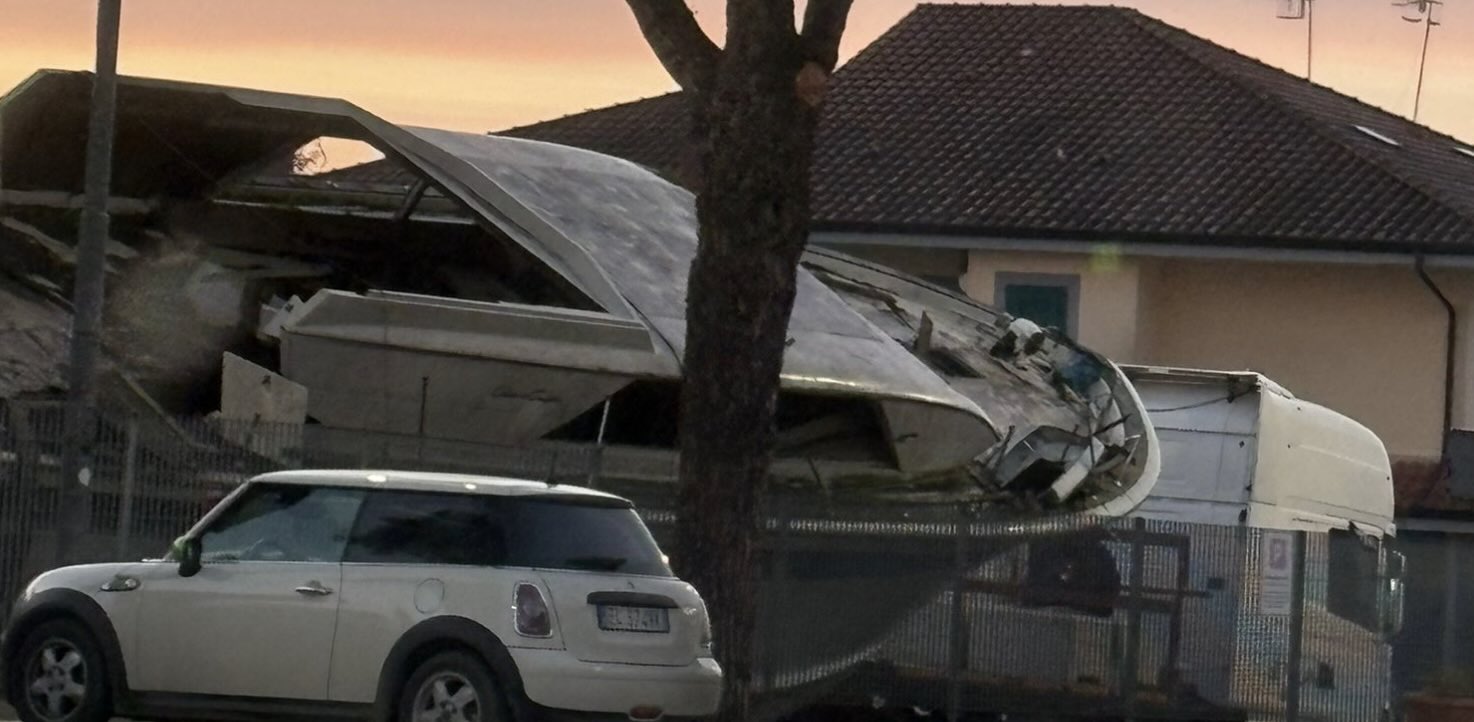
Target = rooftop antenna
(1429,13)
(1301,10)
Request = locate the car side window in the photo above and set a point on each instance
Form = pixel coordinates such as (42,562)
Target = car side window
(283,523)
(412,527)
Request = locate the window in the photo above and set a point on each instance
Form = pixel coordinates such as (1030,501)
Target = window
(399,527)
(563,535)
(1050,300)
(283,523)
(483,530)
(1352,580)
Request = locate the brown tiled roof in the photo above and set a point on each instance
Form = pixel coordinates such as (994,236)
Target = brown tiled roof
(1103,122)
(649,132)
(1092,123)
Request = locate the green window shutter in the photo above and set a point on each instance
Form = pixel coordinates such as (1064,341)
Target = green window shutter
(1047,306)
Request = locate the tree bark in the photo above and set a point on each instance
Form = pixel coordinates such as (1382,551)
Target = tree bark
(753,218)
(755,109)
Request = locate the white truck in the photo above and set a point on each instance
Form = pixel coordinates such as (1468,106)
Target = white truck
(1240,450)
(1245,465)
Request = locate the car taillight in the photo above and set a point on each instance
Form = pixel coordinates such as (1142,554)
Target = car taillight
(708,644)
(530,611)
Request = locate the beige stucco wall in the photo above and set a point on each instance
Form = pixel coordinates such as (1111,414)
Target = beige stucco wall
(1365,340)
(1109,292)
(944,262)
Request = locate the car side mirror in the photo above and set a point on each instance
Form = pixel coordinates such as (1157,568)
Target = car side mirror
(187,552)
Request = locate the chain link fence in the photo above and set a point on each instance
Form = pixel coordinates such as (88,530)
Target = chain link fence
(931,611)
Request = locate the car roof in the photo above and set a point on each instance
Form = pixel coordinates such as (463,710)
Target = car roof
(430,481)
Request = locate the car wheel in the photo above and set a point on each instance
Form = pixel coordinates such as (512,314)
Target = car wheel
(451,687)
(60,676)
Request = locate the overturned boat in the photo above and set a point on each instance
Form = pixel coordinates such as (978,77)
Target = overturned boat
(518,295)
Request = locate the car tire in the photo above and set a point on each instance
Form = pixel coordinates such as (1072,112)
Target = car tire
(60,676)
(456,683)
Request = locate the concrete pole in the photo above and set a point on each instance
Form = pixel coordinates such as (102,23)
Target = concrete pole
(87,294)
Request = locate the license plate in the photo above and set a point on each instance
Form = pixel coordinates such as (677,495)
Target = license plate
(633,619)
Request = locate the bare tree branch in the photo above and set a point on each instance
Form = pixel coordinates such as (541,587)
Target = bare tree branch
(824,22)
(678,41)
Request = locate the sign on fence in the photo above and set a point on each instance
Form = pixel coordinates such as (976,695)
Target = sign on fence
(1276,573)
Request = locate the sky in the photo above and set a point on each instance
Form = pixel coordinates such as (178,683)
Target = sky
(482,65)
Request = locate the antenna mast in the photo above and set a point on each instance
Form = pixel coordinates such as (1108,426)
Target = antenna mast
(1302,10)
(1425,12)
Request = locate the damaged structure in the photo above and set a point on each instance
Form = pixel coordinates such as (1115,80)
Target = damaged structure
(517,294)
(525,295)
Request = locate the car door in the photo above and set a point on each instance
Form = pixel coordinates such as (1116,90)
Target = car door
(258,619)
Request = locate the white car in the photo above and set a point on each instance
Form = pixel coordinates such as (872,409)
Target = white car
(387,596)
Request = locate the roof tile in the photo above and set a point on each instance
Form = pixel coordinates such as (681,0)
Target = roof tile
(1091,122)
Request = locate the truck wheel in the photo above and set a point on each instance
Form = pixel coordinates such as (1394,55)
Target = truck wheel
(60,676)
(451,687)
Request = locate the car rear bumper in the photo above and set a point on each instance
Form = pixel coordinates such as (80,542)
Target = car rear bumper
(551,679)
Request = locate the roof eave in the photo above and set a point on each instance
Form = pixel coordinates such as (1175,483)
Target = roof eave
(985,236)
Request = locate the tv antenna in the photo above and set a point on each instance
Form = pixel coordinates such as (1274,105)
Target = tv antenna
(1301,10)
(1429,13)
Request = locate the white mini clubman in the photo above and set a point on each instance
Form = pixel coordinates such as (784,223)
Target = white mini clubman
(410,597)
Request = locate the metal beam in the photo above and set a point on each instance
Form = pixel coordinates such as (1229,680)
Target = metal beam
(116,206)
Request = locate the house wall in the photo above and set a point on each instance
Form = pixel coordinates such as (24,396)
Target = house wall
(1365,340)
(924,262)
(1110,290)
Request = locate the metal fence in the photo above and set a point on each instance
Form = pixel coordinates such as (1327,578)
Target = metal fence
(929,610)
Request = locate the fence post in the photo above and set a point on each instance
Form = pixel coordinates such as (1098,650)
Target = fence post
(959,635)
(765,650)
(1449,643)
(130,471)
(1297,631)
(1130,674)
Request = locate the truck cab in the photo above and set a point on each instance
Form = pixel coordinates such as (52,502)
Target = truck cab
(1239,449)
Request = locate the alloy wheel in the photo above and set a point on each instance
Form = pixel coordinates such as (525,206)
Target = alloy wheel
(447,697)
(56,680)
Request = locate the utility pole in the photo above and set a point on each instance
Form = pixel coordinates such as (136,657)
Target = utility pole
(80,430)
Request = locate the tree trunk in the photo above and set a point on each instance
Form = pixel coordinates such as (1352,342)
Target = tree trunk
(755,137)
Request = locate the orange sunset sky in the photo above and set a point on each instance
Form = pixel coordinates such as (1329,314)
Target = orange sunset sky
(489,64)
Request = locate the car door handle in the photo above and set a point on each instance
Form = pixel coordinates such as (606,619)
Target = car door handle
(315,589)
